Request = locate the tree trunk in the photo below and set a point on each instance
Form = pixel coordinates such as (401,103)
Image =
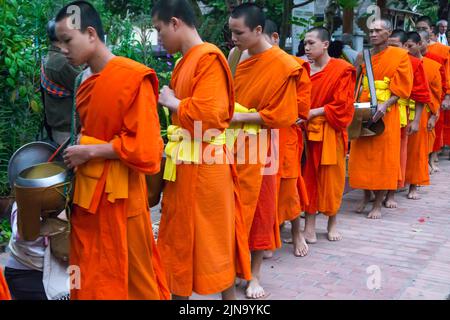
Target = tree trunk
(285,27)
(443,10)
(348,16)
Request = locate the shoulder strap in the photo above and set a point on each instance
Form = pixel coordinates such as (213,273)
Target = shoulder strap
(234,60)
(73,131)
(370,77)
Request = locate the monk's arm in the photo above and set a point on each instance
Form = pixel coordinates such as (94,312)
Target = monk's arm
(414,125)
(253,118)
(381,110)
(77,155)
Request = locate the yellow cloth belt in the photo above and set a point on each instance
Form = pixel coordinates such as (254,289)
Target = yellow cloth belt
(88,175)
(381,88)
(405,104)
(182,148)
(249,128)
(320,130)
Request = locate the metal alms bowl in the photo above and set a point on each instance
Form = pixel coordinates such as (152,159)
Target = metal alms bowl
(42,175)
(29,155)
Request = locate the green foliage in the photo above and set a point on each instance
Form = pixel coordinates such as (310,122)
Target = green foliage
(426,7)
(5,231)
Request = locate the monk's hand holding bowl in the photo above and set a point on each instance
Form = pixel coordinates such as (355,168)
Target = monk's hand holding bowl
(167,98)
(381,111)
(75,156)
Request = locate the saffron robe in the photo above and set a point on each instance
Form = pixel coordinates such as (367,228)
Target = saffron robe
(417,171)
(374,162)
(443,123)
(324,171)
(111,233)
(291,189)
(4,291)
(202,237)
(420,93)
(266,82)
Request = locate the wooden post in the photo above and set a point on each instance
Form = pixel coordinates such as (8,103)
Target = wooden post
(347,23)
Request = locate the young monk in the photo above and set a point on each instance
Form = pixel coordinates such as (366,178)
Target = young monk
(266,88)
(111,233)
(202,236)
(424,23)
(291,188)
(4,291)
(375,161)
(333,83)
(410,109)
(417,172)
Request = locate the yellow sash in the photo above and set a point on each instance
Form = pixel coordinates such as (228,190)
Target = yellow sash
(403,105)
(181,147)
(88,175)
(320,130)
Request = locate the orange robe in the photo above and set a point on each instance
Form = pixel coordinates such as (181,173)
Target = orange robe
(292,192)
(420,93)
(266,82)
(202,237)
(418,144)
(443,124)
(324,171)
(4,291)
(374,162)
(111,232)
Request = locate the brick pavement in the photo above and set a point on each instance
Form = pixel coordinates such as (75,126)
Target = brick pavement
(410,247)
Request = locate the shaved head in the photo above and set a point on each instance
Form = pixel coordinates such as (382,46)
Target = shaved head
(385,24)
(322,33)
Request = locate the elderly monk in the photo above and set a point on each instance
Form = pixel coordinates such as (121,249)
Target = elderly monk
(442,129)
(111,233)
(4,291)
(266,95)
(202,237)
(410,109)
(374,163)
(332,98)
(417,172)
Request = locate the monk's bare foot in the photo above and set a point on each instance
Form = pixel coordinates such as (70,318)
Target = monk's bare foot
(374,214)
(372,196)
(310,236)
(268,254)
(333,234)
(413,194)
(434,167)
(390,200)
(254,290)
(300,246)
(362,206)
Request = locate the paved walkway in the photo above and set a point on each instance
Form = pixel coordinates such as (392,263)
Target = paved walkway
(408,251)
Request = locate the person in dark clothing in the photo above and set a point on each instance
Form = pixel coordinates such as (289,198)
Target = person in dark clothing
(57,85)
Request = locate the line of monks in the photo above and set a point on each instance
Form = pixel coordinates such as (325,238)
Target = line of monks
(220,220)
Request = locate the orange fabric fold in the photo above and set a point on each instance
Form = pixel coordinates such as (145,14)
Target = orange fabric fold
(324,171)
(267,82)
(114,248)
(4,291)
(202,236)
(291,199)
(374,162)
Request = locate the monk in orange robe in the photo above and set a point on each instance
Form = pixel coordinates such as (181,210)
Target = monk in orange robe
(266,90)
(4,291)
(332,98)
(202,236)
(409,126)
(424,23)
(291,188)
(417,172)
(374,162)
(112,244)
